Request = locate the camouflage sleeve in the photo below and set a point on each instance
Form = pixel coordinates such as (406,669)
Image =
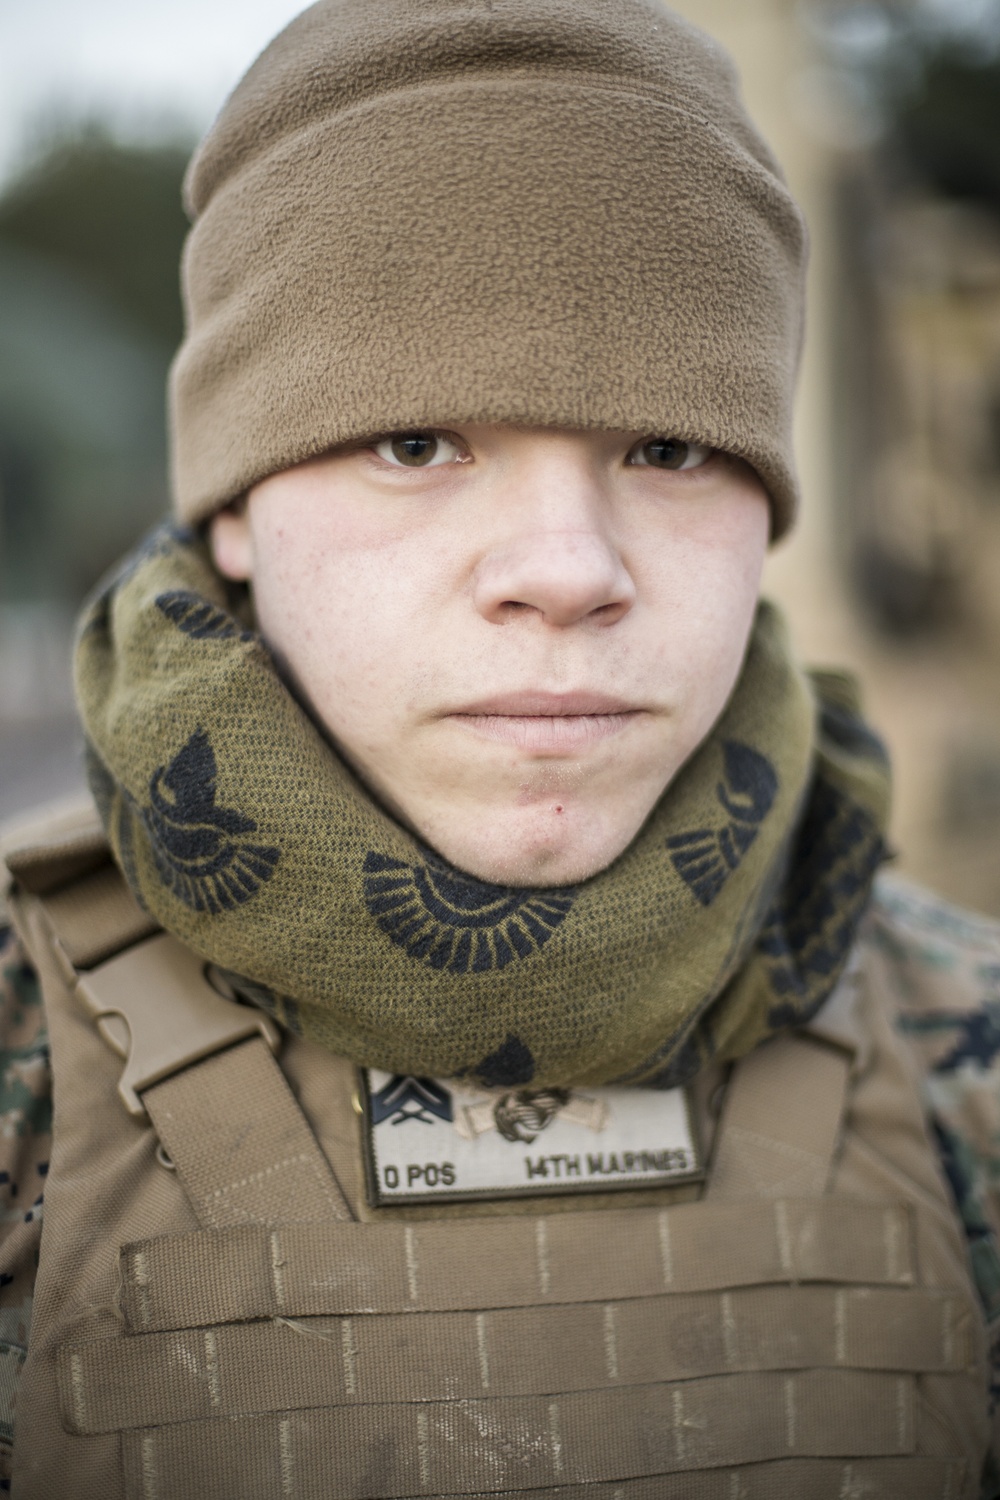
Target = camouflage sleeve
(947,964)
(25,1137)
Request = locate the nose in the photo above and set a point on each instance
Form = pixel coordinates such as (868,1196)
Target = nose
(565,575)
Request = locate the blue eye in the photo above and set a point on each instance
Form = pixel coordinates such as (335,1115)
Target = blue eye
(669,453)
(417,450)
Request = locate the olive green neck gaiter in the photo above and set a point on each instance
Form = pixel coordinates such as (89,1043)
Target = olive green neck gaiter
(729,917)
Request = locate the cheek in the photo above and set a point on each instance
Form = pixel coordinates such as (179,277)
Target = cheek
(708,577)
(307,594)
(335,603)
(719,595)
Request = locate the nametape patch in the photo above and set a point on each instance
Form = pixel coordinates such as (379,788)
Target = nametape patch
(428,1138)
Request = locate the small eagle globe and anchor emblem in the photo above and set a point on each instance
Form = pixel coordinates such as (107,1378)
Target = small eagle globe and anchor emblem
(519,1115)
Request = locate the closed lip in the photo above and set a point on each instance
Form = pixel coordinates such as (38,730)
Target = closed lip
(533,704)
(547,724)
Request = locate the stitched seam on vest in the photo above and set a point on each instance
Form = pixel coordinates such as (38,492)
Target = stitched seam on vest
(610,1341)
(242,1182)
(790,1412)
(557,1459)
(140,1279)
(891,1236)
(542,1255)
(77,1386)
(149,1474)
(482,1351)
(730,1343)
(840,1327)
(277,1270)
(677,1401)
(947,1332)
(410,1243)
(423,1448)
(666,1249)
(212,1368)
(350,1349)
(285,1457)
(784,1237)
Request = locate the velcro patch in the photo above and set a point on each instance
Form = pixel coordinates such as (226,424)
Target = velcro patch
(428,1138)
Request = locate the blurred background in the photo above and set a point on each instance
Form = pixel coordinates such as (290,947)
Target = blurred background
(886,116)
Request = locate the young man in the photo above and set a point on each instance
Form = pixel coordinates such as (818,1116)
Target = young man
(444,751)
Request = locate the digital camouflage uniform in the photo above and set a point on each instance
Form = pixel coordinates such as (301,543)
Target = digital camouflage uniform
(946,963)
(946,968)
(25,1137)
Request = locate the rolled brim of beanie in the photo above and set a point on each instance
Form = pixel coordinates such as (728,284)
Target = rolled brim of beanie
(553,253)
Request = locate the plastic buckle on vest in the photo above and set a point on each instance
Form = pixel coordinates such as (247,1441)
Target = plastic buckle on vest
(155,1007)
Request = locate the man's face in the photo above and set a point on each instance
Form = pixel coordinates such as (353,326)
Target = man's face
(515,636)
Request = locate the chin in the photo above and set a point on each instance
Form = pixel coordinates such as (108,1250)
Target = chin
(531,860)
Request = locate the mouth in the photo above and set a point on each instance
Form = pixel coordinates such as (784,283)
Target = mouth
(547,723)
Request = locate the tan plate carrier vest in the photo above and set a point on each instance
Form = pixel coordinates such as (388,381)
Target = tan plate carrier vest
(219,1316)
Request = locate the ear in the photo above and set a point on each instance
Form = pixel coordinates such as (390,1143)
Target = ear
(231,542)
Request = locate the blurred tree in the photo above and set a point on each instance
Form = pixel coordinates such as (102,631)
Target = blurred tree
(918,379)
(91,231)
(948,123)
(929,72)
(111,212)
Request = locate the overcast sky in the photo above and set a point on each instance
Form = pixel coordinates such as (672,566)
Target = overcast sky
(132,60)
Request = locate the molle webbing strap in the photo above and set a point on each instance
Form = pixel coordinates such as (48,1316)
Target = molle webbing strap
(781,1121)
(304,1270)
(46,851)
(788,1479)
(229,1123)
(291,1365)
(457,1448)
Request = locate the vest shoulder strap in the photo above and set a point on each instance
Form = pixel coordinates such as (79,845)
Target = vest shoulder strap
(781,1120)
(54,845)
(198,1064)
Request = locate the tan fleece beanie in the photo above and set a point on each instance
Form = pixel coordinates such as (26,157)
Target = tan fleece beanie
(425,213)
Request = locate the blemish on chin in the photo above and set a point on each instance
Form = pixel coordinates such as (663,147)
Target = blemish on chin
(546,783)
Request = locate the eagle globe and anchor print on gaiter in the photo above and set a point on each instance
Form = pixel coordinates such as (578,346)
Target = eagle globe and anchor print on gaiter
(204,853)
(452,921)
(705,858)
